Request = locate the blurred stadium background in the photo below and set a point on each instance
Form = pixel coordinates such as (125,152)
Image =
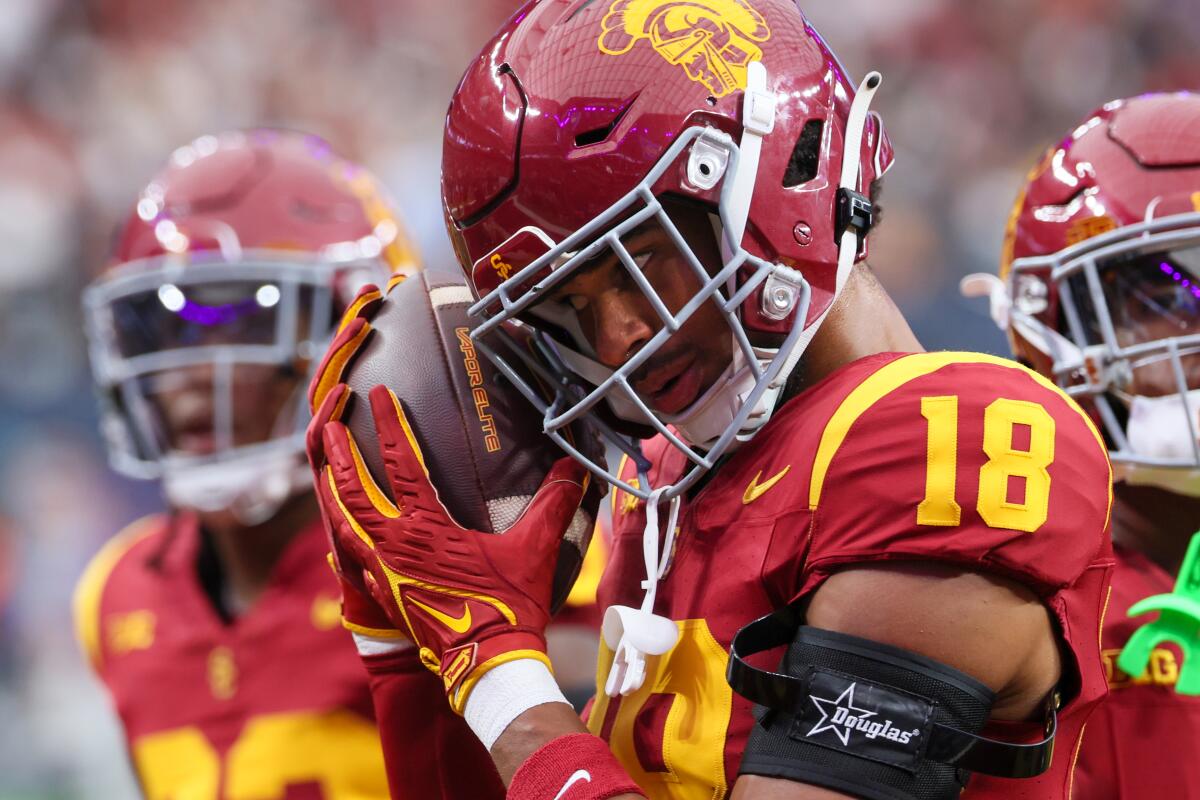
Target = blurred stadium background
(94,94)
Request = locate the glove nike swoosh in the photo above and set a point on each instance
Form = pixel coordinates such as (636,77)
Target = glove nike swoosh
(576,777)
(457,624)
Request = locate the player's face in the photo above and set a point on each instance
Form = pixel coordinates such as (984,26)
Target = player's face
(1154,297)
(617,318)
(192,328)
(188,400)
(185,399)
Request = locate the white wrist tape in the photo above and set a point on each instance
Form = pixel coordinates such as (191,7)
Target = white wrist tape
(376,646)
(505,693)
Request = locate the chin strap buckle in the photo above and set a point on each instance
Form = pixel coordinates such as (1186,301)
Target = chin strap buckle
(854,211)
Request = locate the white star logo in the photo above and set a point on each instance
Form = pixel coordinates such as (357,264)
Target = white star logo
(826,722)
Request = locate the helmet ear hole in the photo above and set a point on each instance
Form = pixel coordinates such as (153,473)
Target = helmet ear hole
(805,162)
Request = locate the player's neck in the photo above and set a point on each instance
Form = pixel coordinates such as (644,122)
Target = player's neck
(863,322)
(246,555)
(1155,522)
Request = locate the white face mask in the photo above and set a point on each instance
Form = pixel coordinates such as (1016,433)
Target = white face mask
(1158,430)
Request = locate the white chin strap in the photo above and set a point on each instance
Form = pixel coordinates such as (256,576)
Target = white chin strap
(758,120)
(856,127)
(702,422)
(252,488)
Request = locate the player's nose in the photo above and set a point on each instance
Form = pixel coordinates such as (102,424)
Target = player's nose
(621,328)
(188,379)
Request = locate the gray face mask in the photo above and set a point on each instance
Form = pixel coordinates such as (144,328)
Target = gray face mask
(150,322)
(1131,303)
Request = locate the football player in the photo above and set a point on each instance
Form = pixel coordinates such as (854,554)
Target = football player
(675,195)
(216,626)
(1099,290)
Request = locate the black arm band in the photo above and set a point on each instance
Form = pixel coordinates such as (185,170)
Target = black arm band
(869,719)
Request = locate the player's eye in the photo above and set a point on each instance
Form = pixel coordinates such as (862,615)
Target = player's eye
(1178,303)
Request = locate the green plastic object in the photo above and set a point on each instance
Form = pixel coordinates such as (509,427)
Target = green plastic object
(1179,623)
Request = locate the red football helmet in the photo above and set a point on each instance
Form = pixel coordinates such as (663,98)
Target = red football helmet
(1099,282)
(231,271)
(575,123)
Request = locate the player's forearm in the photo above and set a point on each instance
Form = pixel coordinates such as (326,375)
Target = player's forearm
(754,787)
(546,751)
(531,731)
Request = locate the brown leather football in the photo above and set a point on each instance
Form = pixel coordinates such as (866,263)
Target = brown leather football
(482,441)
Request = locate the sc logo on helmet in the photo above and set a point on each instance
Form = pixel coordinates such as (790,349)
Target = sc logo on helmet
(713,40)
(502,268)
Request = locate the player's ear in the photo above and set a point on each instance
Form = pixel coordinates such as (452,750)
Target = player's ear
(876,192)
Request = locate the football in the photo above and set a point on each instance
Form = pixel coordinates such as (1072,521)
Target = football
(481,439)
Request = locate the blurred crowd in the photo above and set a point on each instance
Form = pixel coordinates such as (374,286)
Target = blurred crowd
(94,94)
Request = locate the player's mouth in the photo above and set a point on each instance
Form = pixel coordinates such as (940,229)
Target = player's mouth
(673,386)
(189,419)
(195,438)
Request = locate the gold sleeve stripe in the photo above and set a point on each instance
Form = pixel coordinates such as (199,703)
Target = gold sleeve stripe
(1075,761)
(89,591)
(898,373)
(1103,614)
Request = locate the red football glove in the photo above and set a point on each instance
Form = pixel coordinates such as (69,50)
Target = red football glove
(470,600)
(327,397)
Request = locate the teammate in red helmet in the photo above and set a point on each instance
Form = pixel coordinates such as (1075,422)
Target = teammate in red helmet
(1099,289)
(217,626)
(674,197)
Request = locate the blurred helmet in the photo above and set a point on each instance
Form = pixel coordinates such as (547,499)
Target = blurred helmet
(575,124)
(223,288)
(1099,284)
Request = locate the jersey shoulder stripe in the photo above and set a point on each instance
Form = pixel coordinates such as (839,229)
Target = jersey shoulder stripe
(89,591)
(894,375)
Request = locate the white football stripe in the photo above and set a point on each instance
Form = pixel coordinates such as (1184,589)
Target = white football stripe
(450,295)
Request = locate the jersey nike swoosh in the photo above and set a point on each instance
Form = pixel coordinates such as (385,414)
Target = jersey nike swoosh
(756,490)
(576,777)
(457,624)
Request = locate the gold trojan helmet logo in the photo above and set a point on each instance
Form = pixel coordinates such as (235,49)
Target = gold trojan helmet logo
(713,40)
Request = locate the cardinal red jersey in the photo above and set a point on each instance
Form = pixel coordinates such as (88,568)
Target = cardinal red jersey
(275,704)
(958,458)
(1141,743)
